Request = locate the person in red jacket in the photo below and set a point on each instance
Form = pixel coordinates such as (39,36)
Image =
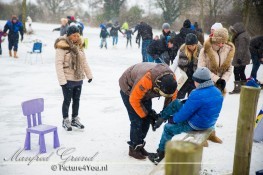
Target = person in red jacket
(139,84)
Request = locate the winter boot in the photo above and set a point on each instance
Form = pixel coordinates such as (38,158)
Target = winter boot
(156,157)
(237,87)
(15,56)
(136,152)
(143,151)
(214,138)
(75,122)
(10,53)
(66,124)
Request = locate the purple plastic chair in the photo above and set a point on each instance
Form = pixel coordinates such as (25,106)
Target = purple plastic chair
(30,109)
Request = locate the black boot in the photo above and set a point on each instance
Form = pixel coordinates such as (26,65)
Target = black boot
(156,157)
(143,151)
(237,87)
(135,152)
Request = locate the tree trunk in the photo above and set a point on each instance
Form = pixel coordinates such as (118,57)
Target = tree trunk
(24,14)
(202,14)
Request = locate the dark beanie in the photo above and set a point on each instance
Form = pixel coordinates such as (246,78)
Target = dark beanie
(187,23)
(167,84)
(72,29)
(191,39)
(201,75)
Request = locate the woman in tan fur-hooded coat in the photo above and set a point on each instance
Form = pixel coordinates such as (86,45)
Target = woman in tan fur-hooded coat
(71,68)
(217,55)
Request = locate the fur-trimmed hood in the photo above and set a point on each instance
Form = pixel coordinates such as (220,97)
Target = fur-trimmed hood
(62,43)
(208,50)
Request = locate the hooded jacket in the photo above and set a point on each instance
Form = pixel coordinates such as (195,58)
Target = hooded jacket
(64,60)
(138,82)
(241,40)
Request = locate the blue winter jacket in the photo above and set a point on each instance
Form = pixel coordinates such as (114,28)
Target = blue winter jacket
(14,28)
(202,108)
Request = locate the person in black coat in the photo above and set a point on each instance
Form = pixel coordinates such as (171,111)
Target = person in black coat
(114,33)
(160,51)
(144,32)
(256,50)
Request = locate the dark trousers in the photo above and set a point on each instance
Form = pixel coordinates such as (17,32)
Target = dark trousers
(186,88)
(0,48)
(74,94)
(129,40)
(239,73)
(139,126)
(12,43)
(256,64)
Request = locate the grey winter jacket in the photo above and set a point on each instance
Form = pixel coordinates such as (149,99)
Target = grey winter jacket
(241,40)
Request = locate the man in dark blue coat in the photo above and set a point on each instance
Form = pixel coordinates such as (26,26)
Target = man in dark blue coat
(14,26)
(199,112)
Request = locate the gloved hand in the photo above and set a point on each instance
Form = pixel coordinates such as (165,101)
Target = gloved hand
(64,85)
(221,84)
(74,49)
(158,123)
(239,61)
(183,101)
(153,116)
(90,80)
(22,38)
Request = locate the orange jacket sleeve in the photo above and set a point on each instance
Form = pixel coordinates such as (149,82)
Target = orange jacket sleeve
(138,92)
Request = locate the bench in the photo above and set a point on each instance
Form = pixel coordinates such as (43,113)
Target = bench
(197,137)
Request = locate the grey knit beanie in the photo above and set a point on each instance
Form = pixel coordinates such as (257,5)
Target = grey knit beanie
(166,26)
(201,75)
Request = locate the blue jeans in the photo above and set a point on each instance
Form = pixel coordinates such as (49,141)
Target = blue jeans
(114,40)
(71,92)
(145,44)
(173,129)
(139,126)
(103,40)
(256,64)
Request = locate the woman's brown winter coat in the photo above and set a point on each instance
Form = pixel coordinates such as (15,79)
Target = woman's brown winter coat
(218,62)
(65,70)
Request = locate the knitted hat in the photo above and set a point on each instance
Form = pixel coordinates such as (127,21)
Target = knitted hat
(72,29)
(166,26)
(187,23)
(220,36)
(191,39)
(201,75)
(217,25)
(167,84)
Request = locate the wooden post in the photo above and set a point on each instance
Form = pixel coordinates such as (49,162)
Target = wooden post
(245,129)
(183,158)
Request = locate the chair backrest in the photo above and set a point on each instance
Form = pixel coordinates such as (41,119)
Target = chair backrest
(37,47)
(32,108)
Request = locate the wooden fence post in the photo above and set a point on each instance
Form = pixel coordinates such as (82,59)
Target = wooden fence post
(183,158)
(245,129)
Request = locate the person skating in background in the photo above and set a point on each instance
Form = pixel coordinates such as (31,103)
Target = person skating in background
(215,26)
(125,26)
(128,34)
(145,32)
(180,37)
(217,55)
(14,26)
(199,33)
(114,33)
(138,85)
(187,62)
(160,51)
(256,50)
(200,111)
(103,35)
(71,68)
(63,28)
(2,34)
(166,32)
(242,57)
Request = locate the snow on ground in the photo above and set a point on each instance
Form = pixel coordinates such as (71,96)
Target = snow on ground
(101,110)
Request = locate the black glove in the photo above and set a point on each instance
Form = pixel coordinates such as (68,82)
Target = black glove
(239,61)
(183,101)
(221,84)
(90,80)
(153,116)
(158,123)
(22,37)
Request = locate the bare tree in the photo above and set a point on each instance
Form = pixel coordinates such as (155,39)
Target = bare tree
(112,8)
(172,8)
(24,14)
